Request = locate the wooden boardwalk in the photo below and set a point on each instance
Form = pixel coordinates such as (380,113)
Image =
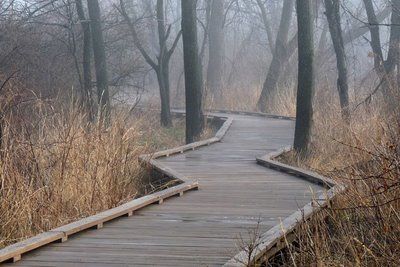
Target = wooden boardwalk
(202,227)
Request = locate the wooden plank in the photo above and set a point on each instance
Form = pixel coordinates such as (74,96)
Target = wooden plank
(268,160)
(14,252)
(251,113)
(61,233)
(181,149)
(272,237)
(124,209)
(270,240)
(203,227)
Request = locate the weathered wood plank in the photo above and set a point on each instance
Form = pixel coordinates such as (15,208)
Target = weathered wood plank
(268,161)
(201,228)
(62,233)
(271,241)
(15,251)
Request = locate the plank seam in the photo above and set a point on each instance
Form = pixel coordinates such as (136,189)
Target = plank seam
(14,251)
(270,242)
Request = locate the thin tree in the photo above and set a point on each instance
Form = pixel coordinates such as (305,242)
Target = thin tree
(335,29)
(216,48)
(86,59)
(161,67)
(193,72)
(267,25)
(279,56)
(305,87)
(100,63)
(385,68)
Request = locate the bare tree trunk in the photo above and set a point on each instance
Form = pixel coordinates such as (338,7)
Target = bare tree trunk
(193,75)
(335,29)
(393,53)
(163,81)
(392,91)
(375,37)
(267,25)
(86,60)
(99,60)
(385,68)
(304,110)
(278,58)
(216,48)
(161,67)
(359,29)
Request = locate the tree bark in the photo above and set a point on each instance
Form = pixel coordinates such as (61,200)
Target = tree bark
(193,72)
(393,53)
(267,24)
(278,57)
(305,89)
(161,67)
(335,29)
(216,50)
(99,60)
(375,37)
(385,68)
(86,60)
(359,29)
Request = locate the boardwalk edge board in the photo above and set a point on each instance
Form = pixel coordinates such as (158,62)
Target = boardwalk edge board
(252,113)
(181,149)
(61,234)
(13,252)
(280,235)
(268,161)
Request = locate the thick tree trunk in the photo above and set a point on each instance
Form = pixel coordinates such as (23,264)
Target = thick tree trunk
(99,60)
(216,50)
(335,29)
(278,58)
(392,91)
(86,60)
(163,81)
(393,53)
(163,66)
(193,76)
(304,110)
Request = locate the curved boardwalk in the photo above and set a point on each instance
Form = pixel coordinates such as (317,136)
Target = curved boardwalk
(202,227)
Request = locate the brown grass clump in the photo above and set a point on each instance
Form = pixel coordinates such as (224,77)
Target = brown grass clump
(362,226)
(56,168)
(239,99)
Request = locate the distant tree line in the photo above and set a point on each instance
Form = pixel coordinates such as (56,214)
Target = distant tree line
(91,50)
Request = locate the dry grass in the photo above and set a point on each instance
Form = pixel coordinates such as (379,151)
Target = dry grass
(362,227)
(55,168)
(233,99)
(240,99)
